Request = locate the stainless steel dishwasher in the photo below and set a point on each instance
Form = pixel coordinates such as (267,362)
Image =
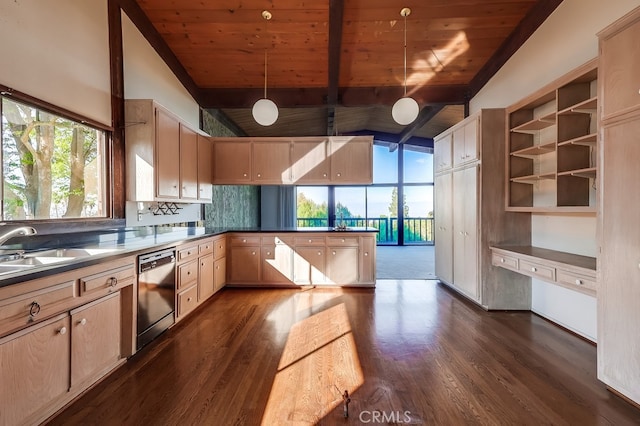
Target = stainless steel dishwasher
(156,294)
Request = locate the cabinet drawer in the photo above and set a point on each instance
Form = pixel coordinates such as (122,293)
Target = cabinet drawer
(187,300)
(187,253)
(245,241)
(205,248)
(219,248)
(538,271)
(187,274)
(574,279)
(342,241)
(110,281)
(309,241)
(504,261)
(27,308)
(277,240)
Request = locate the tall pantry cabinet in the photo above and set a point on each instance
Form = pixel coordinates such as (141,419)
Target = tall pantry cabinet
(469,163)
(619,217)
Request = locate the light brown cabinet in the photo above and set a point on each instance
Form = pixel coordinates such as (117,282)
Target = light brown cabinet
(205,169)
(188,154)
(271,161)
(232,161)
(301,161)
(470,214)
(619,222)
(442,153)
(35,371)
(551,146)
(95,339)
(309,162)
(220,262)
(289,259)
(161,155)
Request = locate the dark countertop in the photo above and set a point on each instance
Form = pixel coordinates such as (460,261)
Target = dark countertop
(123,242)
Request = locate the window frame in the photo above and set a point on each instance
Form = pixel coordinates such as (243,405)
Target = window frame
(111,155)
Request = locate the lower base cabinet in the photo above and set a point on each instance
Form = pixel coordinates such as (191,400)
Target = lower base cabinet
(38,376)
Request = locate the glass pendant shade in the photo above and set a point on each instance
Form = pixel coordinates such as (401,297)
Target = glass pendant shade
(265,112)
(405,110)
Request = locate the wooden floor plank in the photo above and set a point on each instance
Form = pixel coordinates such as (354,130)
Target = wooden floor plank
(412,351)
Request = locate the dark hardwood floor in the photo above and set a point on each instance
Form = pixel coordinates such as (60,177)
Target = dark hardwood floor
(410,352)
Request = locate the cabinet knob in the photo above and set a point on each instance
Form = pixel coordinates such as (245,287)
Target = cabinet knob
(244,175)
(218,267)
(202,264)
(83,321)
(253,253)
(244,240)
(324,175)
(366,254)
(113,281)
(319,253)
(334,253)
(188,272)
(63,330)
(188,299)
(338,174)
(502,260)
(259,175)
(579,282)
(534,269)
(268,253)
(34,309)
(309,239)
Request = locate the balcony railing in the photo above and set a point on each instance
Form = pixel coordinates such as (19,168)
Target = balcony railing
(417,230)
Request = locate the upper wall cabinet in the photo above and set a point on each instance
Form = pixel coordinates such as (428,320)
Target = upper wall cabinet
(344,160)
(164,156)
(551,146)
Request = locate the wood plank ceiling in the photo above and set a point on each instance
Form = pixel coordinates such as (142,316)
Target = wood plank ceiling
(337,66)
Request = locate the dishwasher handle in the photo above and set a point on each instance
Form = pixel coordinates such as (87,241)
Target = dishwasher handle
(153,260)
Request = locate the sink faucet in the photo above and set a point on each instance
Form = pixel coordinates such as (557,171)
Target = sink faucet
(23,230)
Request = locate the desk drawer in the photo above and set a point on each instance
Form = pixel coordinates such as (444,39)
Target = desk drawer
(343,241)
(187,274)
(245,241)
(187,300)
(205,247)
(108,281)
(187,253)
(504,261)
(309,241)
(219,248)
(536,270)
(574,279)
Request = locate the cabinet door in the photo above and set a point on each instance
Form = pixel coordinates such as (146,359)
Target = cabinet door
(309,164)
(458,147)
(271,162)
(620,70)
(619,261)
(471,146)
(442,153)
(351,160)
(205,172)
(368,260)
(167,153)
(232,162)
(342,265)
(35,370)
(276,264)
(188,164)
(206,286)
(443,224)
(95,339)
(245,264)
(219,273)
(309,265)
(464,231)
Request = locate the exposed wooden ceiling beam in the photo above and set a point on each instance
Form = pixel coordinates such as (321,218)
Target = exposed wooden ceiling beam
(317,96)
(536,16)
(336,11)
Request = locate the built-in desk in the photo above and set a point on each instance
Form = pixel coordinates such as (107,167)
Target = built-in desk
(568,270)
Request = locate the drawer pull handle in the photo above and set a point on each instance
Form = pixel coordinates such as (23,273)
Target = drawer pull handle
(34,309)
(366,253)
(268,253)
(63,330)
(188,299)
(338,174)
(309,240)
(579,281)
(83,321)
(244,240)
(502,260)
(244,175)
(253,253)
(319,253)
(113,281)
(343,240)
(534,269)
(334,253)
(324,175)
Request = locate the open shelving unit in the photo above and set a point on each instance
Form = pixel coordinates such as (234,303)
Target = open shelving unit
(551,146)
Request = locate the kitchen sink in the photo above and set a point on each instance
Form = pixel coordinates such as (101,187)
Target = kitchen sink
(48,257)
(66,253)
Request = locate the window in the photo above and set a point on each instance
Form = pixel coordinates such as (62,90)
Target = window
(52,167)
(312,206)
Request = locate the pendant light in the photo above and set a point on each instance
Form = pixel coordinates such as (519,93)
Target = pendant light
(265,111)
(406,109)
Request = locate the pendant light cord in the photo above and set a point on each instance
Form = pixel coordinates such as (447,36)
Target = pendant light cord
(265,73)
(405,54)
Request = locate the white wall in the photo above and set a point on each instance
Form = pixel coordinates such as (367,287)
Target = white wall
(147,76)
(566,40)
(58,51)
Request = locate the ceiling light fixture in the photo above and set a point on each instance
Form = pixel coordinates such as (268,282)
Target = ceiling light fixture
(406,109)
(265,111)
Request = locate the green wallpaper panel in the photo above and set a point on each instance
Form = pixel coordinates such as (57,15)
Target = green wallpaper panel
(233,206)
